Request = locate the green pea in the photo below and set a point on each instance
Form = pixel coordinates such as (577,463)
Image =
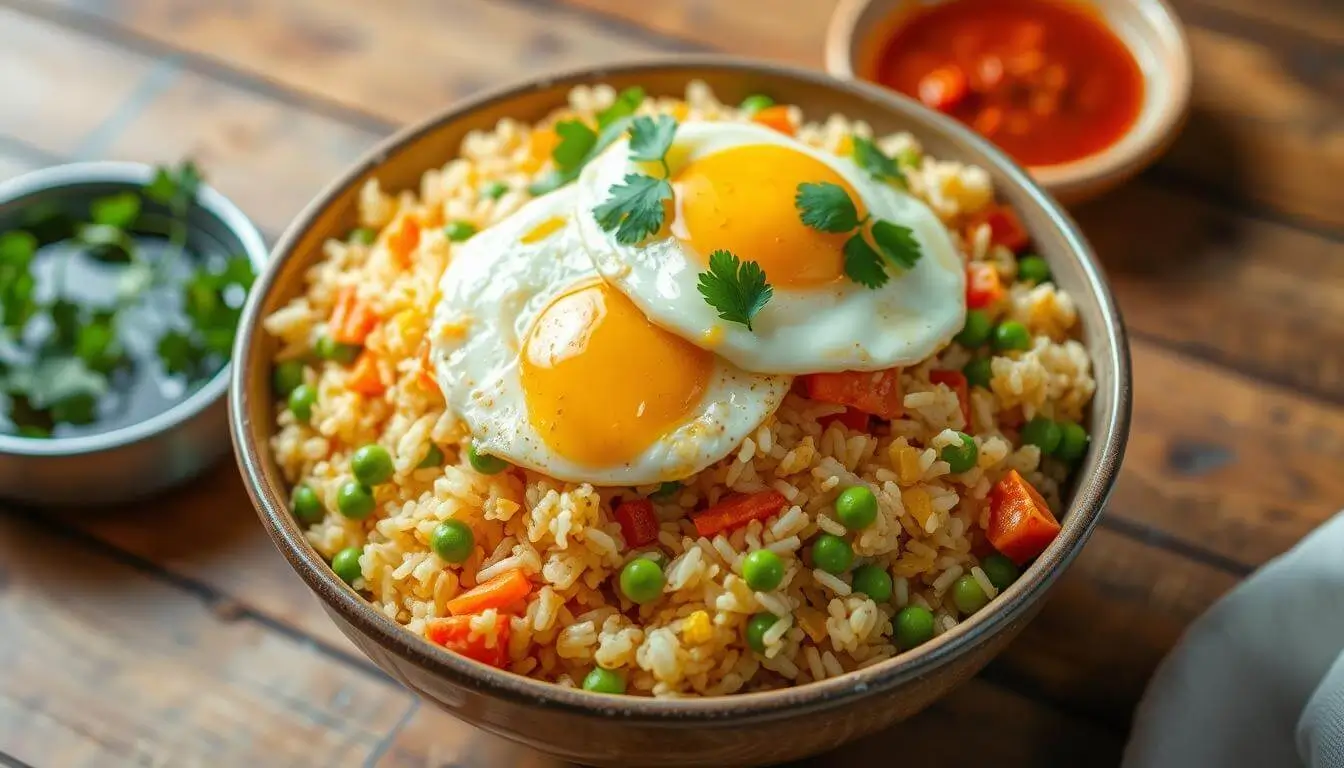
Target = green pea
(307,506)
(1042,433)
(328,348)
(433,458)
(1010,335)
(287,376)
(968,596)
(642,580)
(363,236)
(975,333)
(960,457)
(757,626)
(484,462)
(873,581)
(666,490)
(301,400)
(1001,571)
(1033,269)
(756,102)
(354,500)
(978,372)
(494,190)
(604,681)
(372,464)
(346,564)
(1073,441)
(856,506)
(763,570)
(457,231)
(832,554)
(452,540)
(914,627)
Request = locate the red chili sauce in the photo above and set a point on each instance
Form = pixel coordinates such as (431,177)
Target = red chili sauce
(1046,80)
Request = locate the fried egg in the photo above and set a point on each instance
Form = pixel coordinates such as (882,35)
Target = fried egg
(554,369)
(734,188)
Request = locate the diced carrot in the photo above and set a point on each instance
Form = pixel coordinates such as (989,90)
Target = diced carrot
(425,375)
(1020,523)
(776,117)
(639,525)
(736,511)
(454,633)
(983,286)
(402,238)
(352,320)
(1005,228)
(943,88)
(365,378)
(956,381)
(852,418)
(500,592)
(874,392)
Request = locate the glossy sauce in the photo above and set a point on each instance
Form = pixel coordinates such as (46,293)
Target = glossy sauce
(1045,80)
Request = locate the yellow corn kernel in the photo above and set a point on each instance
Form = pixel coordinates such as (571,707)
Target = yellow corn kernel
(846,146)
(697,628)
(906,459)
(918,505)
(681,110)
(813,623)
(910,566)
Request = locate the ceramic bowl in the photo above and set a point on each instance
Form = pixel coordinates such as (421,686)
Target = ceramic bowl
(744,729)
(165,449)
(1149,28)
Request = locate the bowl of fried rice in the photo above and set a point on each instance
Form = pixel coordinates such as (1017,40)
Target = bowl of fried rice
(694,412)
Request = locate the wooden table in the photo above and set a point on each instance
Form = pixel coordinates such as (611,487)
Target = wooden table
(171,633)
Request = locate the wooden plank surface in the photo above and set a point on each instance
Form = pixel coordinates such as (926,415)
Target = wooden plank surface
(1226,260)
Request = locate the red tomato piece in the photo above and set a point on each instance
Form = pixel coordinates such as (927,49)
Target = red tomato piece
(983,285)
(454,633)
(639,525)
(874,392)
(1021,525)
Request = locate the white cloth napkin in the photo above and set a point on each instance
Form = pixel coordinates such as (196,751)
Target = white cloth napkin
(1257,681)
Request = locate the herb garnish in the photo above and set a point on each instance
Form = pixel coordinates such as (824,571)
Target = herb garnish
(60,354)
(580,143)
(827,207)
(737,289)
(875,161)
(635,209)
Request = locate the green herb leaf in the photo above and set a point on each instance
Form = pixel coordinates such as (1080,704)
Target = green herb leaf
(104,236)
(119,210)
(551,182)
(17,249)
(614,130)
(737,289)
(201,299)
(863,265)
(163,187)
(178,353)
(219,340)
(48,222)
(175,187)
(237,271)
(826,207)
(16,300)
(651,138)
(97,345)
(875,161)
(627,101)
(55,379)
(76,409)
(576,141)
(897,243)
(65,316)
(635,209)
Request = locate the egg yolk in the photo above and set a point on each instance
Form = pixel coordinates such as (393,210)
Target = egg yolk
(601,382)
(742,200)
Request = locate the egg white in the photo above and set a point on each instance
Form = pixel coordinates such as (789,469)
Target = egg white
(493,290)
(843,326)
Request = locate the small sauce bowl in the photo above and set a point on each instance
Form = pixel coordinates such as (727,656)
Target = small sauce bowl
(1148,28)
(166,448)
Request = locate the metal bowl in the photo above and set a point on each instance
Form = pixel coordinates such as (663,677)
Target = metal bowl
(165,449)
(742,729)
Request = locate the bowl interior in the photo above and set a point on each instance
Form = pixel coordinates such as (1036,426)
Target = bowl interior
(399,163)
(1149,28)
(215,226)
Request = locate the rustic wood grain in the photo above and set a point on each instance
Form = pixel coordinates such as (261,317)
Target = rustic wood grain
(101,665)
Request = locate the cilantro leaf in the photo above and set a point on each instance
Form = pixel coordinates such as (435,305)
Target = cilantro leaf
(627,101)
(826,207)
(576,141)
(736,289)
(608,136)
(178,353)
(237,271)
(175,187)
(97,345)
(863,265)
(65,316)
(119,210)
(897,243)
(563,175)
(650,138)
(162,187)
(875,161)
(17,249)
(16,300)
(635,209)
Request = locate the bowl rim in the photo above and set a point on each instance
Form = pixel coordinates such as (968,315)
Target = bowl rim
(271,503)
(131,174)
(1113,164)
